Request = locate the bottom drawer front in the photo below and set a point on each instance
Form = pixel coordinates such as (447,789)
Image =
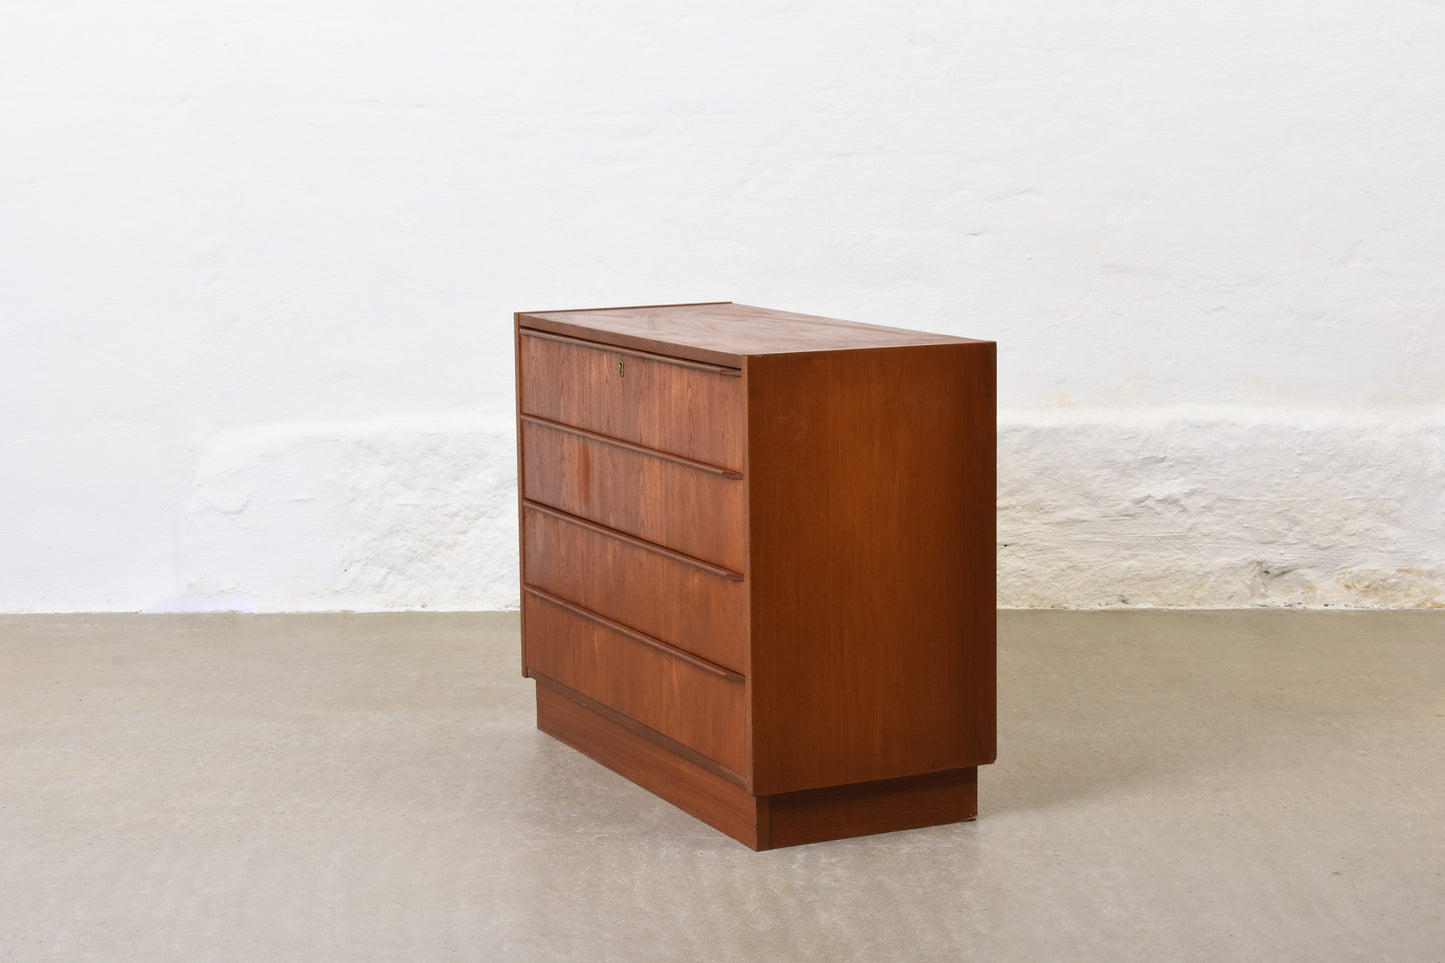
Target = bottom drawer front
(701,709)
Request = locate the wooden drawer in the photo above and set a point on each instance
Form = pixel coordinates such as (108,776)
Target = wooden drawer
(685,407)
(689,701)
(697,607)
(686,506)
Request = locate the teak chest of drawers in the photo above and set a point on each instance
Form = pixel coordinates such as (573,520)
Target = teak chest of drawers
(758,562)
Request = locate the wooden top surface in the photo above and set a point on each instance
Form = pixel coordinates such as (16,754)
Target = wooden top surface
(723,332)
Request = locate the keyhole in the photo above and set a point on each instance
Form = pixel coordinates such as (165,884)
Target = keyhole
(620,372)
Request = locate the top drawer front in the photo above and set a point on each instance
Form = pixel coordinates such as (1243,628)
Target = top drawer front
(683,407)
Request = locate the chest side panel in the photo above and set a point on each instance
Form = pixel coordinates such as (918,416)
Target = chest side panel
(871,493)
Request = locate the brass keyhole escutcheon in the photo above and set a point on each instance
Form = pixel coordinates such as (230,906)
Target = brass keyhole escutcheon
(620,372)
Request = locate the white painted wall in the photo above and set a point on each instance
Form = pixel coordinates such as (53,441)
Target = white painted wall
(258,262)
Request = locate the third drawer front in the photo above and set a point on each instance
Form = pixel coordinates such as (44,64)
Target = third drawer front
(693,509)
(696,705)
(700,608)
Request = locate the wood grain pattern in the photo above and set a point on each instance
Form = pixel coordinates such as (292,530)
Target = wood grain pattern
(767,598)
(696,607)
(699,708)
(680,506)
(724,333)
(688,408)
(872,543)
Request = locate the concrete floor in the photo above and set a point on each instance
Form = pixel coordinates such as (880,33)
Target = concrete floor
(1263,785)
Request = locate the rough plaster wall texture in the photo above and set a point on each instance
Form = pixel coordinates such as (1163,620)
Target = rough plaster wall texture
(1228,507)
(407,514)
(244,246)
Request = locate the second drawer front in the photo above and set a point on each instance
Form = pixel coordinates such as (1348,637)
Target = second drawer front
(693,607)
(700,709)
(689,409)
(680,506)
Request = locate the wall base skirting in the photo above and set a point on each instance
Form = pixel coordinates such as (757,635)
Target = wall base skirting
(1098,508)
(1221,508)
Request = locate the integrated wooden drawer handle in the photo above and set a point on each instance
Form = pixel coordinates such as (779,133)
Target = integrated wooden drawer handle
(697,661)
(692,463)
(718,369)
(641,543)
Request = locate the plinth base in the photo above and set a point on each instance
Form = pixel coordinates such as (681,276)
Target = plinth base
(719,797)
